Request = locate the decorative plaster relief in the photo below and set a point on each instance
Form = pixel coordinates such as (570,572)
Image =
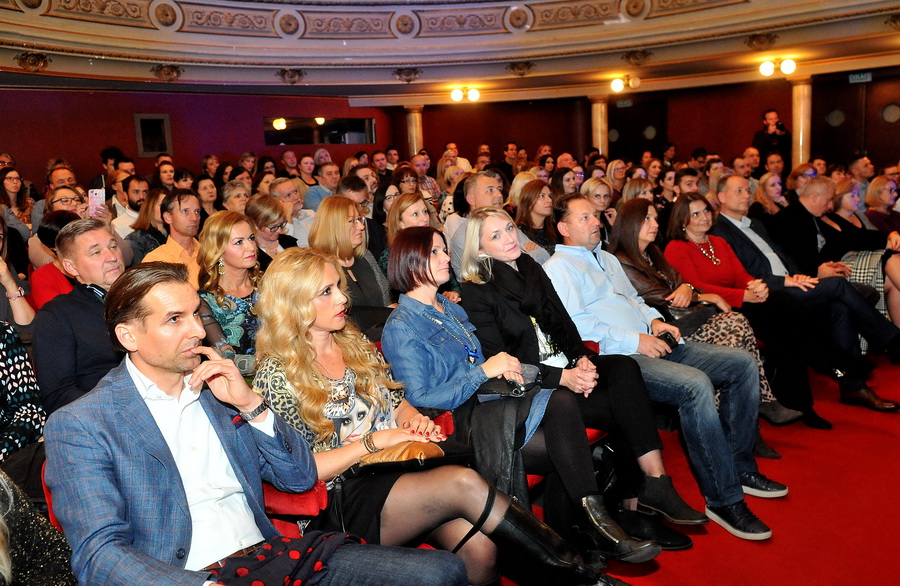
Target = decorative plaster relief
(167,72)
(637,58)
(30,3)
(166,14)
(407,74)
(33,62)
(289,24)
(475,21)
(338,25)
(893,21)
(290,76)
(520,68)
(551,15)
(10,5)
(405,24)
(669,7)
(199,18)
(761,41)
(121,12)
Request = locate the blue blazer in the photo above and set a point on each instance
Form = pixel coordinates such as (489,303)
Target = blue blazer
(117,491)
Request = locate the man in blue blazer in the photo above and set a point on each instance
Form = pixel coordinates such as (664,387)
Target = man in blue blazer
(157,473)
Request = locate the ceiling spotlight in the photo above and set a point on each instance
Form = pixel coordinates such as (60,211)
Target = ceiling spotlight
(788,66)
(456,95)
(767,68)
(634,82)
(473,95)
(320,121)
(279,124)
(618,85)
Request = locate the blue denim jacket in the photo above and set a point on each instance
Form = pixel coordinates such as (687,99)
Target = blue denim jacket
(427,359)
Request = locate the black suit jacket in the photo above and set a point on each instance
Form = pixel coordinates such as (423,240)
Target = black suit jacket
(377,237)
(753,259)
(796,230)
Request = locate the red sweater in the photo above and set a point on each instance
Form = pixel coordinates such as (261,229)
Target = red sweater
(728,279)
(46,283)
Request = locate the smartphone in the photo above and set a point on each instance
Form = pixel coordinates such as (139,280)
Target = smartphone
(96,200)
(669,339)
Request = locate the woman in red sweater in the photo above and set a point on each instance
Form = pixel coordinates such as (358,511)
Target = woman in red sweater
(709,263)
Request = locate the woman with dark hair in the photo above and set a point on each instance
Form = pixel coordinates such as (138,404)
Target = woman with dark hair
(385,196)
(209,165)
(14,197)
(164,177)
(14,308)
(51,279)
(307,165)
(229,273)
(261,182)
(223,174)
(461,207)
(405,179)
(535,214)
(208,194)
(654,170)
(329,382)
(432,349)
(241,174)
(547,162)
(563,182)
(783,323)
(269,219)
(266,164)
(149,229)
(362,157)
(661,287)
(184,178)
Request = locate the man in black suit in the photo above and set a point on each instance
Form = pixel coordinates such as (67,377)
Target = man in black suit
(829,296)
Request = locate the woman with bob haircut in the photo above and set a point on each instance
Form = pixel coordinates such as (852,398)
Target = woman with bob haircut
(434,352)
(51,279)
(880,197)
(329,382)
(339,230)
(229,273)
(515,309)
(535,215)
(235,196)
(663,288)
(149,230)
(515,190)
(638,187)
(405,179)
(269,219)
(598,191)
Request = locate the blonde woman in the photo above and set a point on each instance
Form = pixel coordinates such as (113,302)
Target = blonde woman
(328,381)
(515,190)
(768,199)
(229,271)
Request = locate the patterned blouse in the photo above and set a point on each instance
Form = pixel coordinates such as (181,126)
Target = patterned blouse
(21,415)
(237,319)
(351,415)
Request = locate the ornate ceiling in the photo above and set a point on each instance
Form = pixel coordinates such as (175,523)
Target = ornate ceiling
(388,52)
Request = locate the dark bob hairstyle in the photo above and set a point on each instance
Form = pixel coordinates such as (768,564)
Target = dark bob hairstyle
(408,261)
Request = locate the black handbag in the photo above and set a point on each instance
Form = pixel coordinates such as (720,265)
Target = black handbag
(689,319)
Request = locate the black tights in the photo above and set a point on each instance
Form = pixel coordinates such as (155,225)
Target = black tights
(440,506)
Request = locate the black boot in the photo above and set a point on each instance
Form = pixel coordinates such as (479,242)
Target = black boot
(542,556)
(622,546)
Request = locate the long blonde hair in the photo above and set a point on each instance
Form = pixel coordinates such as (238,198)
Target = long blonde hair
(476,267)
(214,239)
(286,312)
(764,198)
(329,232)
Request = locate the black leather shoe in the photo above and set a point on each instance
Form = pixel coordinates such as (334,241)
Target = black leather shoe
(619,545)
(814,420)
(758,485)
(650,526)
(777,414)
(866,397)
(740,521)
(659,495)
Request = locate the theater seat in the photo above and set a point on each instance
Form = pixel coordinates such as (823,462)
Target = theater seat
(284,509)
(50,515)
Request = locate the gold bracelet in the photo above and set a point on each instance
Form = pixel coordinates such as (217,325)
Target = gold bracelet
(369,442)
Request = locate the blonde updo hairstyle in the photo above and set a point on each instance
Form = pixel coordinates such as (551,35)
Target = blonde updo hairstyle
(286,312)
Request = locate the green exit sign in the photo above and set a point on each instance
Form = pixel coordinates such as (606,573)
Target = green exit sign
(861,77)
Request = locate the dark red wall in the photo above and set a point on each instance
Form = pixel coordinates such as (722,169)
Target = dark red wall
(76,125)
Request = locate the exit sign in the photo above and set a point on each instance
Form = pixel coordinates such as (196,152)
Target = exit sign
(861,77)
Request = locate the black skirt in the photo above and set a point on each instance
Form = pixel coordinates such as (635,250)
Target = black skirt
(354,505)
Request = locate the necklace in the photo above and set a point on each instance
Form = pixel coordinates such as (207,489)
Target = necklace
(471,348)
(711,253)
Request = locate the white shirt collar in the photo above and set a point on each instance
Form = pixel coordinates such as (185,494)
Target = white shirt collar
(149,391)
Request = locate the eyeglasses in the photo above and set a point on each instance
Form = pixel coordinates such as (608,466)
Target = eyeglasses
(390,197)
(812,175)
(409,180)
(18,179)
(275,227)
(5,163)
(67,200)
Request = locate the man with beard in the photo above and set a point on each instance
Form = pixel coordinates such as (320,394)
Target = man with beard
(126,212)
(181,213)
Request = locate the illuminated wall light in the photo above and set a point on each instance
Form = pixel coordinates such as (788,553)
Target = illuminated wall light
(618,85)
(320,121)
(633,82)
(279,124)
(767,68)
(473,95)
(788,66)
(456,95)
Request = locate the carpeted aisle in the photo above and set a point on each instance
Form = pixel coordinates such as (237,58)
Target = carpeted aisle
(838,525)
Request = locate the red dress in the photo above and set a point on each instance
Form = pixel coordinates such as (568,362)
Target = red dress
(46,283)
(728,279)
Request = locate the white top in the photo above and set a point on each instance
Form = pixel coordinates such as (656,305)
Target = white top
(221,520)
(125,217)
(743,225)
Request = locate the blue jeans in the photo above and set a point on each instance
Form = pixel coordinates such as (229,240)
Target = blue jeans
(720,443)
(383,565)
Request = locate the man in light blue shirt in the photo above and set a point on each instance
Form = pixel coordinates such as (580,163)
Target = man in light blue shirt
(606,308)
(328,175)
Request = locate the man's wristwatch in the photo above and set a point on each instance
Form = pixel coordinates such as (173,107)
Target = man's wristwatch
(256,412)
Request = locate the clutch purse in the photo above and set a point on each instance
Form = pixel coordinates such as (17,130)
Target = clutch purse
(412,457)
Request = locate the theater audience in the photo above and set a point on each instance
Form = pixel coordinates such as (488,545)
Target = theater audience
(164,177)
(148,231)
(51,279)
(535,214)
(562,182)
(328,175)
(269,221)
(72,349)
(235,195)
(15,199)
(300,220)
(131,191)
(14,307)
(880,197)
(598,191)
(181,212)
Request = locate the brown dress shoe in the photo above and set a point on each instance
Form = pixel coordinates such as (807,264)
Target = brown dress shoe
(866,397)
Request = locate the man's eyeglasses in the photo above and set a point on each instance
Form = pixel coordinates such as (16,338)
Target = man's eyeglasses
(67,200)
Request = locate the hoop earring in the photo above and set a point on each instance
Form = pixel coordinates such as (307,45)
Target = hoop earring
(220,267)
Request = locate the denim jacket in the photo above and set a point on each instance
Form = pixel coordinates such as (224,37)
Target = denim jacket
(427,359)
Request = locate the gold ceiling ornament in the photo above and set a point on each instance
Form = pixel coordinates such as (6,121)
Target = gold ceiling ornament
(761,41)
(407,74)
(290,76)
(167,72)
(637,58)
(893,21)
(33,62)
(166,14)
(520,68)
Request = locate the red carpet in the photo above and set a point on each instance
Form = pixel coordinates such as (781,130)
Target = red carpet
(839,523)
